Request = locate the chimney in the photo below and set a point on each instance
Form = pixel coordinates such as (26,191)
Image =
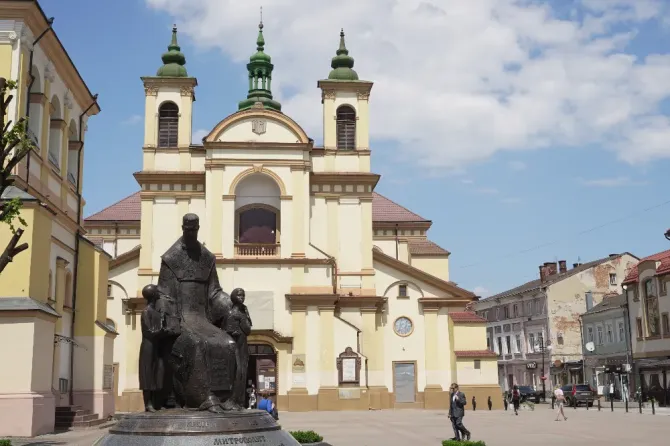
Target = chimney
(562,266)
(543,273)
(552,268)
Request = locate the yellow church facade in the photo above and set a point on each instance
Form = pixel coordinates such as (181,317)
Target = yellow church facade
(55,343)
(351,304)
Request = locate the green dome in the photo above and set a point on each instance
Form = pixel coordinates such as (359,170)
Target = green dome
(343,64)
(260,78)
(173,60)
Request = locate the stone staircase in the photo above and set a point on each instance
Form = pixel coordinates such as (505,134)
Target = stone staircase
(75,417)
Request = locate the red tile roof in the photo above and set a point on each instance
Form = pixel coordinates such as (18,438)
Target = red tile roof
(425,247)
(128,209)
(475,354)
(465,316)
(663,268)
(383,210)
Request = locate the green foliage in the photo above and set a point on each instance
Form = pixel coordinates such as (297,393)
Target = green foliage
(462,443)
(306,437)
(5,442)
(15,143)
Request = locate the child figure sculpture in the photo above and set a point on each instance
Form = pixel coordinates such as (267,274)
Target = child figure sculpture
(152,366)
(238,326)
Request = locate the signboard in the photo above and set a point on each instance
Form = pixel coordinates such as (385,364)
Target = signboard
(615,369)
(108,377)
(531,365)
(349,367)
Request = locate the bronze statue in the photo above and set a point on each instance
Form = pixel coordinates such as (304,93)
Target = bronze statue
(202,357)
(152,366)
(238,325)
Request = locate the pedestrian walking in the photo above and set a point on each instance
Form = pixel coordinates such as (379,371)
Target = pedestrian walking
(474,403)
(516,399)
(457,412)
(560,400)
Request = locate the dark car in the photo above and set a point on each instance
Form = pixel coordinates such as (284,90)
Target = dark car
(529,394)
(583,394)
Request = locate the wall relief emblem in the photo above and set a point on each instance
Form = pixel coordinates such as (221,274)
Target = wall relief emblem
(259,126)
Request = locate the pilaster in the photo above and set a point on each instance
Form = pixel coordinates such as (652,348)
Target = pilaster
(327,337)
(185,117)
(150,119)
(298,179)
(146,234)
(368,282)
(363,122)
(333,228)
(299,320)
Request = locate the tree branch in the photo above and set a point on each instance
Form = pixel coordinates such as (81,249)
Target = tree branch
(12,250)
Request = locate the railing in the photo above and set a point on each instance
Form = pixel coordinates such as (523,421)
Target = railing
(257,250)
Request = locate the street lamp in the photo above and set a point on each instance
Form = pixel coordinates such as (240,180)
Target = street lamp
(543,347)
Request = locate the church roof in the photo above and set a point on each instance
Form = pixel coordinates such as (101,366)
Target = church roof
(383,210)
(425,247)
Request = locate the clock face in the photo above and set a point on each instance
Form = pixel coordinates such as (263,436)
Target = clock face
(403,326)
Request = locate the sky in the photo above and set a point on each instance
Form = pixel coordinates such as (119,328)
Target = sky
(528,131)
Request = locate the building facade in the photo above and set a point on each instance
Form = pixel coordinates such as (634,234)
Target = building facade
(535,328)
(332,270)
(646,288)
(607,350)
(49,294)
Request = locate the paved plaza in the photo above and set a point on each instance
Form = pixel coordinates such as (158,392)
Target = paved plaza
(418,427)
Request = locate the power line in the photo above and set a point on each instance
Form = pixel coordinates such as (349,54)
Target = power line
(577,234)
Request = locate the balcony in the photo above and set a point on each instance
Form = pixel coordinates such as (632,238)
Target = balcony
(257,250)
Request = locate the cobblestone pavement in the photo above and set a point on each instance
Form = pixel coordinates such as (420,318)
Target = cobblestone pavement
(418,427)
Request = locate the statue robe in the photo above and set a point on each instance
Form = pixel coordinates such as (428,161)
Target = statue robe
(202,357)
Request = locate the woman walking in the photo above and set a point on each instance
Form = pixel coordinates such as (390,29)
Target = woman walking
(516,399)
(560,400)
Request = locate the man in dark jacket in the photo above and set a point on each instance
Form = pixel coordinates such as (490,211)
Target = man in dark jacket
(457,412)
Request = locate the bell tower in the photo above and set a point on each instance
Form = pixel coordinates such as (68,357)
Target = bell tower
(260,77)
(169,109)
(346,122)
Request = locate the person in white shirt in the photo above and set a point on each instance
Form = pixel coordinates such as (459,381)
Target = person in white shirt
(560,400)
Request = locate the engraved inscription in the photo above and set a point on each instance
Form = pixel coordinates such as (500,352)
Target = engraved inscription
(240,440)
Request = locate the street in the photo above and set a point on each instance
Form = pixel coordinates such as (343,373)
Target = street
(420,427)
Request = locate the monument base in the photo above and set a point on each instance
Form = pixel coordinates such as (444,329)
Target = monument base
(175,427)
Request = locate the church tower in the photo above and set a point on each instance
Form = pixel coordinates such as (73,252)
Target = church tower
(169,110)
(170,181)
(260,77)
(346,120)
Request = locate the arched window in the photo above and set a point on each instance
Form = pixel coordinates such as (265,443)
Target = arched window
(258,224)
(346,128)
(168,123)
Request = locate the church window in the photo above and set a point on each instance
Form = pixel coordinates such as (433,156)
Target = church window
(402,290)
(168,124)
(478,364)
(346,128)
(258,225)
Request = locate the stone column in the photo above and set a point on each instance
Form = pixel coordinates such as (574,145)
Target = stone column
(433,395)
(373,349)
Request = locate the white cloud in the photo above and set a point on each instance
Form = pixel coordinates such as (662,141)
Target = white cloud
(481,291)
(196,137)
(467,181)
(488,190)
(611,182)
(511,200)
(517,165)
(132,120)
(457,81)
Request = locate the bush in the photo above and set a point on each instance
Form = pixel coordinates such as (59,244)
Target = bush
(462,443)
(306,437)
(5,442)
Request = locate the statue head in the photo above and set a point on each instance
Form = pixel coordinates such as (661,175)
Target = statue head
(150,293)
(190,226)
(237,296)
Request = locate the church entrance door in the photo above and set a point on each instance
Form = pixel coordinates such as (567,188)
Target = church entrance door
(262,371)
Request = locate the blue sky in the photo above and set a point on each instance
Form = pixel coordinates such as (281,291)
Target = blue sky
(512,137)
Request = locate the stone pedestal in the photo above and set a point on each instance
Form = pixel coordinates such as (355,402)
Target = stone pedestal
(176,427)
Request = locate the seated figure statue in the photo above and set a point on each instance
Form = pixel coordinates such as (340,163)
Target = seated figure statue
(203,357)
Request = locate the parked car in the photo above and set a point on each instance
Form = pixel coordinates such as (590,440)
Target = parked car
(530,394)
(584,394)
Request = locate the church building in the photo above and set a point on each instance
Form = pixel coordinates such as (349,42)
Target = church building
(351,303)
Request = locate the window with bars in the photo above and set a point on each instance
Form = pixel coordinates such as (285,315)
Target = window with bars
(168,124)
(346,128)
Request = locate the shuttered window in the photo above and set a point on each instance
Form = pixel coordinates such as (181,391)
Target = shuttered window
(168,122)
(346,128)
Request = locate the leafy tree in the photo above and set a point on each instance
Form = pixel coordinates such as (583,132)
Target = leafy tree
(14,146)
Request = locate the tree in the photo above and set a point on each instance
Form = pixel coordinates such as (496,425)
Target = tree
(14,146)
